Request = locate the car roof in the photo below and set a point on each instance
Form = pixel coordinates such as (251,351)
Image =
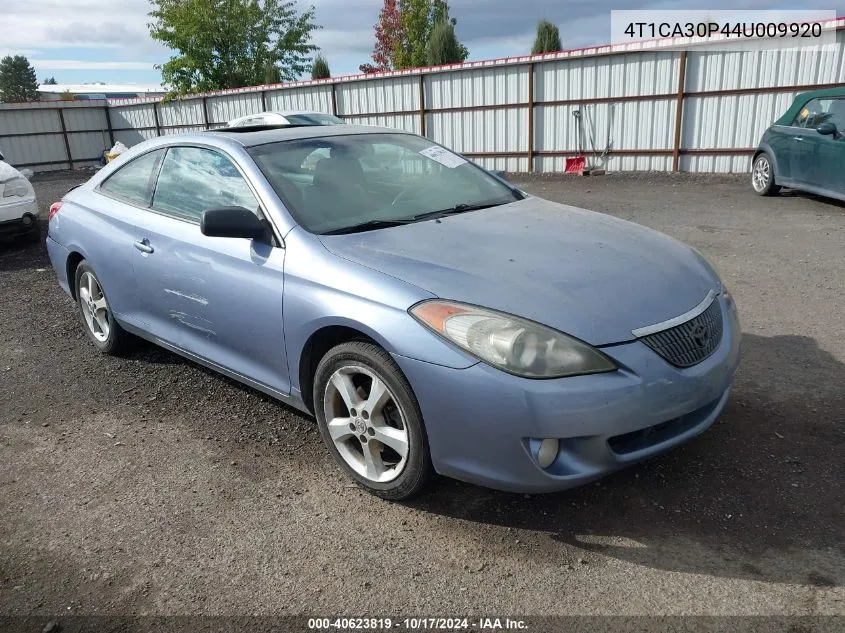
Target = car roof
(802,99)
(274,135)
(296,112)
(834,91)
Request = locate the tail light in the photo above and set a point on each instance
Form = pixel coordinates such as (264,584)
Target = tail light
(54,209)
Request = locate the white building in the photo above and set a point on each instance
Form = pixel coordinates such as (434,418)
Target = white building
(86,92)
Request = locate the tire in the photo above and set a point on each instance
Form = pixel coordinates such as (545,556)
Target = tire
(763,176)
(347,374)
(96,315)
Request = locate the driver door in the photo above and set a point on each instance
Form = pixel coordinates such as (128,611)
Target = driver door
(217,298)
(832,172)
(806,164)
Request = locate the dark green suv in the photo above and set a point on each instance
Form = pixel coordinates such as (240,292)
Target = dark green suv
(805,148)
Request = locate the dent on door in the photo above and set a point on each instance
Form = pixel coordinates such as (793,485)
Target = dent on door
(227,305)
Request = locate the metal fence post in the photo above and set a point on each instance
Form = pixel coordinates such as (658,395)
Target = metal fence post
(64,136)
(205,112)
(264,101)
(531,117)
(422,105)
(155,116)
(109,125)
(334,100)
(679,110)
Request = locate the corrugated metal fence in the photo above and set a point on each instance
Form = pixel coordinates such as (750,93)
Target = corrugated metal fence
(647,109)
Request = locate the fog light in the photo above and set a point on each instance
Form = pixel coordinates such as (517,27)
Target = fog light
(548,452)
(27,220)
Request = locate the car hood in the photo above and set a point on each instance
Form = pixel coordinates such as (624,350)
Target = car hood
(587,274)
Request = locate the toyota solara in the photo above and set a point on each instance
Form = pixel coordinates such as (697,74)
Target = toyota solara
(432,317)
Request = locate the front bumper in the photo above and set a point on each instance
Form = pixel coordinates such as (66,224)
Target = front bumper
(484,426)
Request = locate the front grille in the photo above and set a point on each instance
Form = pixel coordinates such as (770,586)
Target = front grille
(689,343)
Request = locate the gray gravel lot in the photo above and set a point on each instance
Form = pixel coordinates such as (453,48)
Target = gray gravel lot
(148,485)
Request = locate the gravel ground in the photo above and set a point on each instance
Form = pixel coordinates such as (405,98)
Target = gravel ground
(148,485)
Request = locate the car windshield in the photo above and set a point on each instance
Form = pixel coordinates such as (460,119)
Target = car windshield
(313,118)
(338,184)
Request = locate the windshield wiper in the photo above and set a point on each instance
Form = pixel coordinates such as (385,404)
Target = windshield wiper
(458,208)
(369,225)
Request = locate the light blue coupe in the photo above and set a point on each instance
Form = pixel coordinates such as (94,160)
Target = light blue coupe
(431,316)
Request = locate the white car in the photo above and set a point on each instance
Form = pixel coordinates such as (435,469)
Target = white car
(18,209)
(285,117)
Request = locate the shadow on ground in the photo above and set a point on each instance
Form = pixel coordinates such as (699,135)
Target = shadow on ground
(795,193)
(19,253)
(758,496)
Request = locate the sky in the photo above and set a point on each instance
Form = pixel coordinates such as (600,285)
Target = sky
(83,41)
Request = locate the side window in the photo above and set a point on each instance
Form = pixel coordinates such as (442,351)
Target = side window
(816,112)
(194,179)
(134,181)
(837,114)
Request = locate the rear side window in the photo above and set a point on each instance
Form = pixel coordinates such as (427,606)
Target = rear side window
(194,179)
(818,111)
(134,181)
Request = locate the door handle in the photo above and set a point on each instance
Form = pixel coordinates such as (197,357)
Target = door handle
(797,138)
(144,246)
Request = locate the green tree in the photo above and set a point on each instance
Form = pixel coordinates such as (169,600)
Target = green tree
(418,18)
(320,69)
(443,47)
(49,81)
(231,43)
(17,80)
(547,40)
(66,95)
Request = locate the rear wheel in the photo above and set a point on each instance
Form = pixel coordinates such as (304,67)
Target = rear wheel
(370,420)
(763,176)
(96,315)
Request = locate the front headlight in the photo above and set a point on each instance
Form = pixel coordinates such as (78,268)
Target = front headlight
(17,186)
(515,345)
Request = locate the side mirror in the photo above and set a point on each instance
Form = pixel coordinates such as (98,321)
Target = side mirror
(828,129)
(232,222)
(500,174)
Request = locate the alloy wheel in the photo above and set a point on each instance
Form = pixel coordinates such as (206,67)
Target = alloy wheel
(366,424)
(761,174)
(95,309)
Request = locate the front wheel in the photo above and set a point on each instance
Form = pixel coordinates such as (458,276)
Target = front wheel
(763,176)
(370,420)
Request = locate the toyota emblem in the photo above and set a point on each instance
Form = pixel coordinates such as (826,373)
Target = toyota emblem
(700,335)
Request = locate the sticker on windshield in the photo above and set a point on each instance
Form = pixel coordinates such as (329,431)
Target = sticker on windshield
(443,156)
